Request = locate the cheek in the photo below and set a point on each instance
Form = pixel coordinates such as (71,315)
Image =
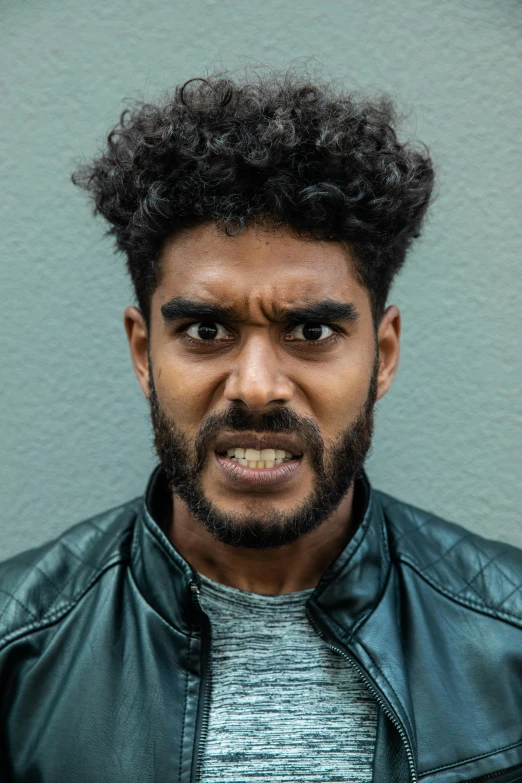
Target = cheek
(336,396)
(339,410)
(184,395)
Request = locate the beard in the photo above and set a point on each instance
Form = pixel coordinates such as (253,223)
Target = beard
(335,468)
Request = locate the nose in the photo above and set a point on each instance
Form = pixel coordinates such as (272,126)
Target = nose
(258,377)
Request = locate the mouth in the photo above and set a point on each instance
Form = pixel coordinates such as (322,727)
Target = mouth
(258,458)
(260,462)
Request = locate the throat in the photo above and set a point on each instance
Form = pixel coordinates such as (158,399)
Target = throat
(275,571)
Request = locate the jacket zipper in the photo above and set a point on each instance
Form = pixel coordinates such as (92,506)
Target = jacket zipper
(376,695)
(203,712)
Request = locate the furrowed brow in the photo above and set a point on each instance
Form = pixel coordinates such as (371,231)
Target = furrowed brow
(324,312)
(181,307)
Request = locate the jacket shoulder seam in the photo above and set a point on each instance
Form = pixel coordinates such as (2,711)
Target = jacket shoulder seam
(479,606)
(54,616)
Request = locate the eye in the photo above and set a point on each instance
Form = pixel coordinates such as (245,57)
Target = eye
(207,330)
(311,331)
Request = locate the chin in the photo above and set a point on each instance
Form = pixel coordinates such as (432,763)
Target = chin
(262,509)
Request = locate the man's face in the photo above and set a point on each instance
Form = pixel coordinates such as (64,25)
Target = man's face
(260,341)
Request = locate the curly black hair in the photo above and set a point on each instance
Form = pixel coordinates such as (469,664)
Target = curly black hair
(274,150)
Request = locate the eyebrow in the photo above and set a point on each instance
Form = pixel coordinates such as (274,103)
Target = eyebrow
(323,311)
(182,307)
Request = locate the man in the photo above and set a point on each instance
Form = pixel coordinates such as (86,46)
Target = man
(262,613)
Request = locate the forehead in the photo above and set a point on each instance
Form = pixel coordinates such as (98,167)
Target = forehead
(255,268)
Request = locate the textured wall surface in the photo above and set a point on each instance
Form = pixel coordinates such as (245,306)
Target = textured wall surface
(74,431)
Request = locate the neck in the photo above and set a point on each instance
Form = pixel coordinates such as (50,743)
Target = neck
(286,569)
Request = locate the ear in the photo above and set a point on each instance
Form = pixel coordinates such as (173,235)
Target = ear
(137,335)
(388,337)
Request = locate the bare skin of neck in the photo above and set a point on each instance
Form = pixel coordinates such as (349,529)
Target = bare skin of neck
(287,569)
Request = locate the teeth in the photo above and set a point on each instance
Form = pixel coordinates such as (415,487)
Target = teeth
(258,463)
(254,455)
(263,458)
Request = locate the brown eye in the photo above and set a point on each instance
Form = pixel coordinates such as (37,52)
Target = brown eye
(311,331)
(206,330)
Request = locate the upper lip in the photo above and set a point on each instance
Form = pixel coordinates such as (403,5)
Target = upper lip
(259,441)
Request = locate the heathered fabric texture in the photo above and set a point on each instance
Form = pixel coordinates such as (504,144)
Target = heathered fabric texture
(284,706)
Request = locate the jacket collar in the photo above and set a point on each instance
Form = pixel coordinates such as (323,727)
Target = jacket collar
(346,593)
(351,587)
(163,576)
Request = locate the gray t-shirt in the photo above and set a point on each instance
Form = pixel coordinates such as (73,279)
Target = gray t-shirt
(284,706)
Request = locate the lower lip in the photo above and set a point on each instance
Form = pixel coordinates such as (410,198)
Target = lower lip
(258,478)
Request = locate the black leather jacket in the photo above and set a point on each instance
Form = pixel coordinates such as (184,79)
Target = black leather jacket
(104,651)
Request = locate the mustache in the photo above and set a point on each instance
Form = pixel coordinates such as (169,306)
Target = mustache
(278,420)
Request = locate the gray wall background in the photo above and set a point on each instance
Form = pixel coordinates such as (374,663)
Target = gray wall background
(74,430)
